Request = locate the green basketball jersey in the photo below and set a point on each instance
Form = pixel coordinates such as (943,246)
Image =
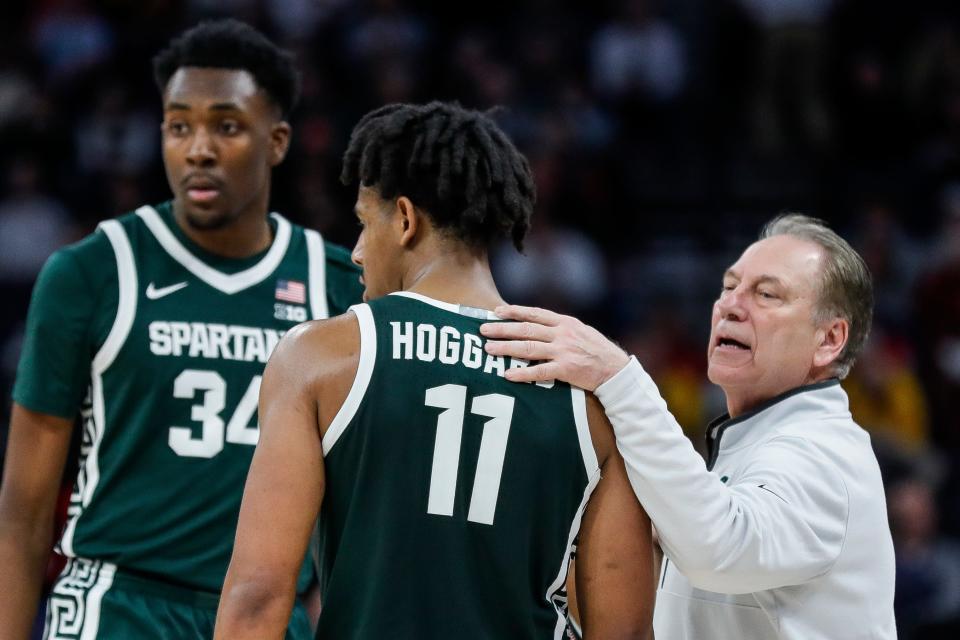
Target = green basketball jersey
(176,343)
(452,495)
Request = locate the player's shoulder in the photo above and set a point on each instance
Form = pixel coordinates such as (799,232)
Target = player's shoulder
(317,355)
(91,254)
(322,331)
(95,249)
(131,220)
(98,242)
(339,258)
(135,220)
(336,256)
(334,341)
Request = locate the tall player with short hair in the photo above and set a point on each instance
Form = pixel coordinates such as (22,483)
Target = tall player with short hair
(449,499)
(156,328)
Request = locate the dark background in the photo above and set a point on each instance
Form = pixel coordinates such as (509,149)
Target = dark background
(662,136)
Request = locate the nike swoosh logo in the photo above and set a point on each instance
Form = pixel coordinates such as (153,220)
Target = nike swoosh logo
(153,293)
(764,487)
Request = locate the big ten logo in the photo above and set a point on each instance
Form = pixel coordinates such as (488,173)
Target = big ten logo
(289,312)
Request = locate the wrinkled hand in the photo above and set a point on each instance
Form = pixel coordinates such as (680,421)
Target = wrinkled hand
(568,349)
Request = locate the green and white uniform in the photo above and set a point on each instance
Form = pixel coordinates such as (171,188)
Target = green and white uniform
(162,345)
(452,495)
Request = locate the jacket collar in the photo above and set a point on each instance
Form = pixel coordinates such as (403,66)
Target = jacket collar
(806,402)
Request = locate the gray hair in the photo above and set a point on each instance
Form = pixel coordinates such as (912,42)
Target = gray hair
(845,288)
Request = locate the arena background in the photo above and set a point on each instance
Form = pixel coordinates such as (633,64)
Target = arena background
(662,135)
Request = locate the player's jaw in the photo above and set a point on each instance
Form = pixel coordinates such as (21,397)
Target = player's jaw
(203,198)
(205,216)
(374,285)
(202,188)
(380,275)
(208,202)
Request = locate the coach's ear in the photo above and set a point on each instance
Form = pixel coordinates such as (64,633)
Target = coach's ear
(831,340)
(408,219)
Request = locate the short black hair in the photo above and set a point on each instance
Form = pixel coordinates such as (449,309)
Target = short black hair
(231,44)
(454,163)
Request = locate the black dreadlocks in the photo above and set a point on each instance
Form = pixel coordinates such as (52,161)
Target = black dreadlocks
(231,44)
(454,163)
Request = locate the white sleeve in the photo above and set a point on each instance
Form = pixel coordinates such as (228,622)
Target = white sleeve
(782,521)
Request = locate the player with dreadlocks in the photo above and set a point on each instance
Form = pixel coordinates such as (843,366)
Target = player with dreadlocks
(448,497)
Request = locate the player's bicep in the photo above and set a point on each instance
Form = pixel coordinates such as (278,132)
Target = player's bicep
(614,565)
(285,483)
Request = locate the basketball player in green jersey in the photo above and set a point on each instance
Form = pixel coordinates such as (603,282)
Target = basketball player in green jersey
(449,498)
(156,328)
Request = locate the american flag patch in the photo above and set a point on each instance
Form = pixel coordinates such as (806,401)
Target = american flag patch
(291,291)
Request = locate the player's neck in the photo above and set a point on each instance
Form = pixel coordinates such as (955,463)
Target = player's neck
(456,277)
(247,235)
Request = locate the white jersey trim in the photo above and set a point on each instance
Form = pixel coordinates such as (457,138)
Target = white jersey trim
(317,268)
(126,311)
(228,283)
(127,308)
(590,463)
(591,466)
(484,314)
(73,611)
(565,560)
(368,356)
(91,622)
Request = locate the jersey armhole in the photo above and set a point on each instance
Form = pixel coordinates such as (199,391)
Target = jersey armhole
(592,468)
(589,453)
(368,356)
(122,323)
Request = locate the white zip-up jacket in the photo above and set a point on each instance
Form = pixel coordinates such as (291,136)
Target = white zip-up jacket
(784,535)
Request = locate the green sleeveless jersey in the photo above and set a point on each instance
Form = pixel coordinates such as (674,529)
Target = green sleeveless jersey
(167,344)
(453,496)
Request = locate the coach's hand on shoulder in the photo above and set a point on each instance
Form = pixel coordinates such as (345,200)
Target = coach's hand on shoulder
(566,348)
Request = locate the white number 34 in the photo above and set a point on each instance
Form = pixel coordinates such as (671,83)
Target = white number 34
(211,438)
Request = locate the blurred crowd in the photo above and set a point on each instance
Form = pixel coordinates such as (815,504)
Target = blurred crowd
(661,134)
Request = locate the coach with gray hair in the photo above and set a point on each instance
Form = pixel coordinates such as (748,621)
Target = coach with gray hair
(783,532)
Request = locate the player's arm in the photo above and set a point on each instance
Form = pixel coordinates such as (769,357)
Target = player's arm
(52,376)
(36,453)
(285,484)
(614,564)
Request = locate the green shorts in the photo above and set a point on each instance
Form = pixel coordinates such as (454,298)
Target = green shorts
(93,600)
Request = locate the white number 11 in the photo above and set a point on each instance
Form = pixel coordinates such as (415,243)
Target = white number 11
(446,450)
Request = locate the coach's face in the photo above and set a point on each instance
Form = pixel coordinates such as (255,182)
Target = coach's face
(763,338)
(222,135)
